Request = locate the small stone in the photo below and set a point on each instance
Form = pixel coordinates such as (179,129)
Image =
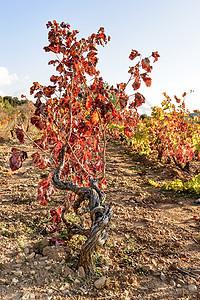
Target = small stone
(42,258)
(31,255)
(177,244)
(50,291)
(105,270)
(192,288)
(172,283)
(81,272)
(15,281)
(17,265)
(154,262)
(127,236)
(20,260)
(67,271)
(65,286)
(178,285)
(147,267)
(57,268)
(83,291)
(48,268)
(180,281)
(18,273)
(162,276)
(143,288)
(65,292)
(40,245)
(26,250)
(28,296)
(100,282)
(163,286)
(32,272)
(76,282)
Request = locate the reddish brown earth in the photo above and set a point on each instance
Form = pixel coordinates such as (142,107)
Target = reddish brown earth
(153,250)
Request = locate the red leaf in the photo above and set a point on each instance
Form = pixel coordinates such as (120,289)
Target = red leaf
(128,132)
(146,64)
(155,55)
(40,162)
(96,145)
(184,94)
(56,214)
(20,134)
(17,158)
(36,120)
(134,54)
(42,142)
(136,84)
(45,190)
(146,79)
(139,99)
(49,91)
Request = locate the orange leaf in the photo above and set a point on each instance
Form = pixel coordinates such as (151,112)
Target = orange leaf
(102,183)
(155,55)
(89,102)
(94,118)
(146,79)
(134,54)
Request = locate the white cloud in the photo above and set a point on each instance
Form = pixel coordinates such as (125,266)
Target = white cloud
(2,93)
(6,78)
(25,91)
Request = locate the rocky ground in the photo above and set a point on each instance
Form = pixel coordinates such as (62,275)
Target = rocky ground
(153,250)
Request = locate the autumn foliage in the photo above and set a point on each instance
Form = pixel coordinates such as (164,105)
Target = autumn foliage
(169,132)
(77,107)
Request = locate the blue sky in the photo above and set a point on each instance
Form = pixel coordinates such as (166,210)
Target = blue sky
(170,27)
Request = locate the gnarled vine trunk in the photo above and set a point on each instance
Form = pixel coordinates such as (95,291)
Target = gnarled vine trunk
(100,214)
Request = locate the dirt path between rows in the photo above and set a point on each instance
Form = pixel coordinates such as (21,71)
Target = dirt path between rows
(153,250)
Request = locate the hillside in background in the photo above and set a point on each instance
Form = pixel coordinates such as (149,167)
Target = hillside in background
(12,112)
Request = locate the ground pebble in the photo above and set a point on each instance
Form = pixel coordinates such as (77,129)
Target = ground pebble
(100,282)
(31,255)
(180,281)
(43,258)
(147,267)
(192,288)
(162,276)
(50,291)
(18,273)
(26,250)
(172,283)
(81,272)
(28,296)
(15,281)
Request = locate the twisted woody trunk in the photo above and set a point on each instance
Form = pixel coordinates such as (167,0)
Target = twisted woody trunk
(100,214)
